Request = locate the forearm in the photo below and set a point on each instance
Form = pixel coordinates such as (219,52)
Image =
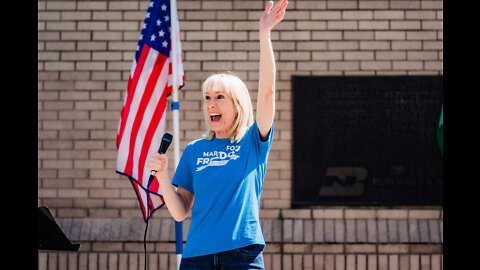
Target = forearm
(267,67)
(266,85)
(175,203)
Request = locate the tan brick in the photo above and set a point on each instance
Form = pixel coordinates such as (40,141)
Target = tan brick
(407,65)
(48,16)
(123,5)
(276,203)
(200,15)
(326,15)
(107,15)
(285,56)
(421,35)
(309,5)
(389,35)
(373,25)
(410,25)
(432,4)
(206,5)
(232,56)
(405,5)
(359,56)
(201,35)
(91,65)
(360,248)
(341,4)
(76,15)
(125,26)
(218,25)
(91,46)
(342,25)
(104,193)
(389,55)
(295,35)
(328,248)
(422,55)
(92,25)
(358,35)
(423,214)
(393,248)
(375,65)
(328,213)
(73,193)
(47,193)
(309,66)
(60,5)
(297,213)
(92,5)
(231,35)
(359,214)
(59,46)
(75,35)
(342,45)
(357,15)
(350,65)
(328,55)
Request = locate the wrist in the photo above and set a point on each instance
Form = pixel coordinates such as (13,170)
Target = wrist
(163,179)
(264,33)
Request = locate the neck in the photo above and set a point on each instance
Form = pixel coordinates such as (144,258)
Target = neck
(222,135)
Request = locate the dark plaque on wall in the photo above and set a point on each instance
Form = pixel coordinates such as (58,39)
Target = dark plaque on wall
(364,140)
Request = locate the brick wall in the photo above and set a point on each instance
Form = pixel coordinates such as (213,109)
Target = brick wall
(85,50)
(296,239)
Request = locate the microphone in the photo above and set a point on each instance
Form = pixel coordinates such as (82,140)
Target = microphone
(166,140)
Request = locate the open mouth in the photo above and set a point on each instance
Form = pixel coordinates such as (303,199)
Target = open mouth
(215,117)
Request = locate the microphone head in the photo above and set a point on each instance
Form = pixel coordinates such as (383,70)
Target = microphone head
(166,140)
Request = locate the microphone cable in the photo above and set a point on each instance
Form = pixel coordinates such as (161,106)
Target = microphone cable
(145,243)
(166,140)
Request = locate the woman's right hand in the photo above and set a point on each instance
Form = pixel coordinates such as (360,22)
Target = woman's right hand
(159,163)
(179,201)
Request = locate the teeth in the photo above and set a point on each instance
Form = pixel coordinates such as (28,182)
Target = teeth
(214,114)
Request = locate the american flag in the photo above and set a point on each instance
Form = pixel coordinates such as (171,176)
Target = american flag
(142,121)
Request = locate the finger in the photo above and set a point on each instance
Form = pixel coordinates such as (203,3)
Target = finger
(276,6)
(283,5)
(279,5)
(280,15)
(268,8)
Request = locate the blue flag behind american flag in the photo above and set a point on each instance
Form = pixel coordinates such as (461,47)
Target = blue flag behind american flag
(142,121)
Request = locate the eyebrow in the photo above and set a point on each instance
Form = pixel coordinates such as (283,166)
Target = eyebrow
(215,92)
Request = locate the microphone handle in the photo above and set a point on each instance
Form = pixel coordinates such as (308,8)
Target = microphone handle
(167,138)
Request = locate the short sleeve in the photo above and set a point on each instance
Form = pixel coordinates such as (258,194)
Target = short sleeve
(263,146)
(183,174)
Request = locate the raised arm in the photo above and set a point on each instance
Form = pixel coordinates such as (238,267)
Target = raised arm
(266,83)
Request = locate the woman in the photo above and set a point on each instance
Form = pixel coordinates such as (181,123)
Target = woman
(220,177)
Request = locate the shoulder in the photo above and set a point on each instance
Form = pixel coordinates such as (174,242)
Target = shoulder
(254,132)
(197,144)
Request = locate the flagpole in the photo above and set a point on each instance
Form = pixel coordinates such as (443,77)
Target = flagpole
(175,109)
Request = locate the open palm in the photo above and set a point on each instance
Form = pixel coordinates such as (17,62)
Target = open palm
(272,16)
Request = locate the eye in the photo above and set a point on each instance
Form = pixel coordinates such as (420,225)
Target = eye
(207,98)
(220,97)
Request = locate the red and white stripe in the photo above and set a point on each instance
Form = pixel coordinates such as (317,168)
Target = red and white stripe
(142,122)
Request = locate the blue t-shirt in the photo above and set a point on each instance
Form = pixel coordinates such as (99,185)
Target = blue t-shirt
(227,180)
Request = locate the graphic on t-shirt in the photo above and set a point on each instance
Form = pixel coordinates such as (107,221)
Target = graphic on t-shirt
(218,158)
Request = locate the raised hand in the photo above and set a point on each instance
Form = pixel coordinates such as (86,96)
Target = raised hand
(272,16)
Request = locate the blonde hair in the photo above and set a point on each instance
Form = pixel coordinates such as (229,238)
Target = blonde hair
(237,90)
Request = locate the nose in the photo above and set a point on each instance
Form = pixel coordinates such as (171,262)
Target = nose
(210,103)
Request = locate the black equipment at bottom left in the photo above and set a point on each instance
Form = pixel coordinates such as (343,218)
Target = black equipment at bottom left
(50,236)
